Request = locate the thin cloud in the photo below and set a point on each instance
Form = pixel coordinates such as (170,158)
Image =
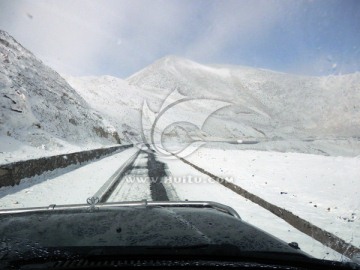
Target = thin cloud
(241,22)
(121,37)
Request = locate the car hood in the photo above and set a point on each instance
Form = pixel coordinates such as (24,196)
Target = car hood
(131,227)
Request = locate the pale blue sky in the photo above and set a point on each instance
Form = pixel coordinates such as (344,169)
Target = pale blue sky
(121,37)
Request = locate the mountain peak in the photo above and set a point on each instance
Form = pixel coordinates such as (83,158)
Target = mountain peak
(173,59)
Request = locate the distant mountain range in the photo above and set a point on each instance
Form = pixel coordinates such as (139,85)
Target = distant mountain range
(275,111)
(280,111)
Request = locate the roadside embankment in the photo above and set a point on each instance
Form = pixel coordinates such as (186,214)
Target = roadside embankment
(12,173)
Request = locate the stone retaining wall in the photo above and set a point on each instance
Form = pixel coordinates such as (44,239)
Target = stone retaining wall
(12,173)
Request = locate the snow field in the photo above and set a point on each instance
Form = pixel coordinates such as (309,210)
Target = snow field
(250,212)
(322,190)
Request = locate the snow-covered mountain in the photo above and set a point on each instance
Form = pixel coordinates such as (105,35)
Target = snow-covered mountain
(115,99)
(39,109)
(280,111)
(267,103)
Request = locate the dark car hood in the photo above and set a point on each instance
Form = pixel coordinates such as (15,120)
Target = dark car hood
(131,227)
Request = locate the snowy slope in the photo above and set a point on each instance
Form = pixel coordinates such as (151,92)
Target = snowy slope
(267,106)
(114,98)
(123,103)
(40,111)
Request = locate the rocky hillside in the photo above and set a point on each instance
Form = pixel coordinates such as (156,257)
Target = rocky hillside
(113,98)
(38,108)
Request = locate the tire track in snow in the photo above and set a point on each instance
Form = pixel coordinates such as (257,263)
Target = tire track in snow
(141,177)
(108,188)
(157,173)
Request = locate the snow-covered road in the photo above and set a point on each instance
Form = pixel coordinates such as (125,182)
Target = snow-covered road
(142,180)
(71,185)
(149,177)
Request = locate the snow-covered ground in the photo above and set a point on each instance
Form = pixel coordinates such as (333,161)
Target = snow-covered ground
(322,190)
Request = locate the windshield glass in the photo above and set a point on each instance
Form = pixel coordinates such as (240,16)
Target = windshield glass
(251,104)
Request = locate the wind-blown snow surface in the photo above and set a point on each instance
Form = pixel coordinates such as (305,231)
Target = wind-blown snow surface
(281,112)
(40,111)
